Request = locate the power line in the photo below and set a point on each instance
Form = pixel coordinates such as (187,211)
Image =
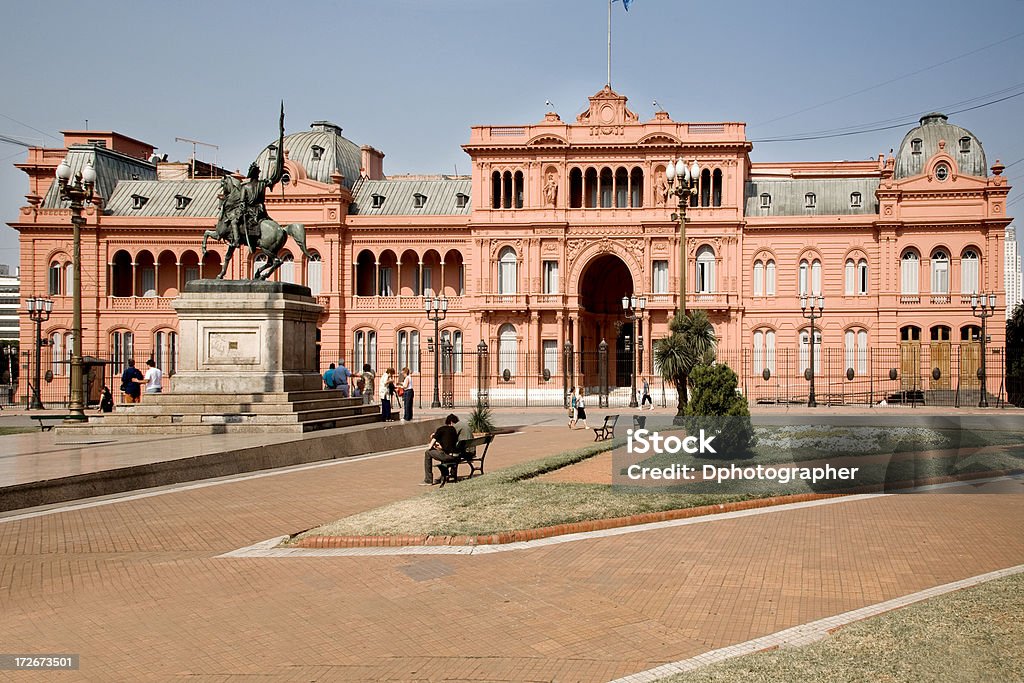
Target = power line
(892,80)
(21,123)
(855,131)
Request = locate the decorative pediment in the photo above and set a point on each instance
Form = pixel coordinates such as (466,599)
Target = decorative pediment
(659,139)
(607,108)
(548,139)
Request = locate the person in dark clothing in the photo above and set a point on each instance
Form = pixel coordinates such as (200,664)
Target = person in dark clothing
(441,448)
(131,383)
(106,400)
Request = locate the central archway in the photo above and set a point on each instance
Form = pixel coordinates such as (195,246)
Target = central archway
(603,283)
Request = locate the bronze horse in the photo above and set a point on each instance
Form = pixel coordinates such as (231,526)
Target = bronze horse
(272,235)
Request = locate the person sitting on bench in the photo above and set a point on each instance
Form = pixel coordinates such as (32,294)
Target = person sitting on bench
(441,448)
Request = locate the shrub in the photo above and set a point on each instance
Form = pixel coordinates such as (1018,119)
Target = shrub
(481,420)
(715,407)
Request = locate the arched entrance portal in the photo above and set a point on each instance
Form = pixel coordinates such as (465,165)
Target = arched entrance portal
(603,283)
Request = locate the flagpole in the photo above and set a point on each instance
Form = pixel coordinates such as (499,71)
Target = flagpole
(609,43)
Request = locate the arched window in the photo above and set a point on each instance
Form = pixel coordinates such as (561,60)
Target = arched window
(257,263)
(314,273)
(816,277)
(705,187)
(856,277)
(518,189)
(55,279)
(496,190)
(803,284)
(636,188)
(969,271)
(165,350)
(454,338)
(122,349)
(69,280)
(910,268)
(575,189)
(940,272)
(850,279)
(764,351)
(287,269)
(759,278)
(621,188)
(769,278)
(705,270)
(506,190)
(862,276)
(507,349)
(507,279)
(716,188)
(606,188)
(805,350)
(57,348)
(409,350)
(855,347)
(590,188)
(365,350)
(910,333)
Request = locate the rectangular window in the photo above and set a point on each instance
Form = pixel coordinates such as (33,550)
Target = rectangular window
(551,277)
(54,289)
(428,281)
(385,283)
(551,356)
(659,283)
(862,277)
(149,281)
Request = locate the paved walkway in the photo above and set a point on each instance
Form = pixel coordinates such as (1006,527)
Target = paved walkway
(137,587)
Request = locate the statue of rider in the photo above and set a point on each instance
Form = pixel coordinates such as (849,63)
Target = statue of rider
(253,208)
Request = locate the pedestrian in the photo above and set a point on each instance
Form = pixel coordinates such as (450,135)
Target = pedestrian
(341,378)
(407,394)
(130,383)
(646,395)
(329,377)
(153,378)
(581,410)
(106,401)
(386,389)
(441,448)
(572,408)
(369,378)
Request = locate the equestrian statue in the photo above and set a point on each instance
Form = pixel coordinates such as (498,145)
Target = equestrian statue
(244,219)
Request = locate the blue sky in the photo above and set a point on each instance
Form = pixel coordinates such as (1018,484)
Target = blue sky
(411,76)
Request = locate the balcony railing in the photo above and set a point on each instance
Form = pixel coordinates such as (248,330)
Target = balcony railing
(505,301)
(398,303)
(139,303)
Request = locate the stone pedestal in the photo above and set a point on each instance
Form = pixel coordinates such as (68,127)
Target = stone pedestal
(246,337)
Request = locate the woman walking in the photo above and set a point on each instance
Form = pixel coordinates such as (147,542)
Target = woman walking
(581,409)
(386,388)
(572,408)
(407,394)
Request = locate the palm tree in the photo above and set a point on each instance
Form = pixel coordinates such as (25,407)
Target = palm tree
(691,343)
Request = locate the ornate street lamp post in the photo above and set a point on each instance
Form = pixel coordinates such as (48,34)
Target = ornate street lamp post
(38,312)
(77,191)
(682,181)
(980,310)
(436,308)
(633,307)
(811,314)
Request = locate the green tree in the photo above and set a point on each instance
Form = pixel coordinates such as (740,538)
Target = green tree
(691,343)
(718,409)
(1015,356)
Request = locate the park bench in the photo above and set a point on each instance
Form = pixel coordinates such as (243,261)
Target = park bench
(466,451)
(44,419)
(607,430)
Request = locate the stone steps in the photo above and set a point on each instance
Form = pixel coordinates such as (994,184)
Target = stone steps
(222,428)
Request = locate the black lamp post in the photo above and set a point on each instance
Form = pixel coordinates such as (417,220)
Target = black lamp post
(38,312)
(682,181)
(633,308)
(812,314)
(77,191)
(983,307)
(436,308)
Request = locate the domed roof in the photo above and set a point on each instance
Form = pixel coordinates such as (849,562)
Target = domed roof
(322,150)
(922,143)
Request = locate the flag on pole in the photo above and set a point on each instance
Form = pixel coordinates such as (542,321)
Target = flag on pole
(625,4)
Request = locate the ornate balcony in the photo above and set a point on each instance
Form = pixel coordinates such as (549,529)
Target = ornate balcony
(139,303)
(506,302)
(398,303)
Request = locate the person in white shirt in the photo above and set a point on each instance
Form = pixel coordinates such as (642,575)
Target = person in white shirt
(154,378)
(387,388)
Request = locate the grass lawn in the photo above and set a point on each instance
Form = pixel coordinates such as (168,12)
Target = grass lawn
(513,498)
(972,635)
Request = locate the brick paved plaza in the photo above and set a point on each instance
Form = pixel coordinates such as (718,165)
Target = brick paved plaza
(138,587)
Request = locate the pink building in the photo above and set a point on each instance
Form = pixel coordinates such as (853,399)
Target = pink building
(535,249)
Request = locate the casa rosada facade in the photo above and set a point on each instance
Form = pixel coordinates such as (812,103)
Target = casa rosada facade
(536,248)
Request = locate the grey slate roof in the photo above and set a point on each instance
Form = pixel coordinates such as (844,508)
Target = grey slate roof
(398,197)
(110,166)
(935,127)
(788,196)
(162,200)
(339,153)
